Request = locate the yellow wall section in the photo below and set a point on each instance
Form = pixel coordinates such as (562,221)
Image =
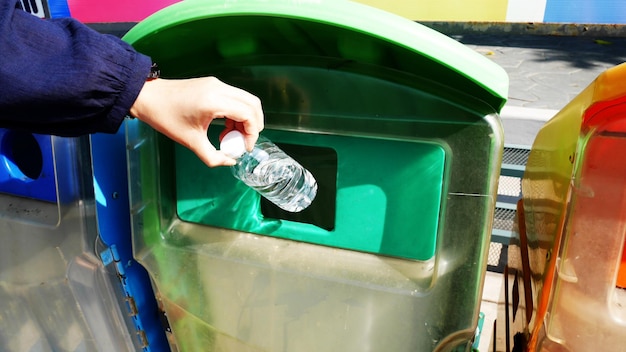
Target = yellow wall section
(444,10)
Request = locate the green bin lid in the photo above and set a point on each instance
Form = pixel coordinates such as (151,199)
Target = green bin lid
(429,54)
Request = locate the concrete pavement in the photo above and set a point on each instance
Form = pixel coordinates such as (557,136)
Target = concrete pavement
(545,73)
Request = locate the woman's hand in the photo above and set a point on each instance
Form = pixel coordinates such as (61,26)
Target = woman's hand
(183,110)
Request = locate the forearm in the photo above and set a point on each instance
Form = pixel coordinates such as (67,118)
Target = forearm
(60,77)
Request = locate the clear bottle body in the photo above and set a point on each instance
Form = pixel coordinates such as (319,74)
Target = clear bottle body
(276,176)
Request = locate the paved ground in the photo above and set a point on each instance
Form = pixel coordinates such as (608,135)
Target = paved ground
(545,72)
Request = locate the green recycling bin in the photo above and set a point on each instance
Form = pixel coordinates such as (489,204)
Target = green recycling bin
(398,124)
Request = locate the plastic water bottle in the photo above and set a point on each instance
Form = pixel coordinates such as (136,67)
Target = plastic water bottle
(271,172)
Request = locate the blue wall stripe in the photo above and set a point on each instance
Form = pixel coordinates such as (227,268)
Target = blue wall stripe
(586,11)
(58,8)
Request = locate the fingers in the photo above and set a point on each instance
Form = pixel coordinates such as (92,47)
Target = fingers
(244,114)
(249,138)
(252,111)
(208,154)
(183,110)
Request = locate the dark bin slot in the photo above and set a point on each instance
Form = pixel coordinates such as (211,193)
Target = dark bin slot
(27,165)
(23,154)
(322,163)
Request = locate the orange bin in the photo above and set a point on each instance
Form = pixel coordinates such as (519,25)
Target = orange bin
(574,198)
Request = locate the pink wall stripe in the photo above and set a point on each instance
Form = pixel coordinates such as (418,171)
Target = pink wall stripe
(90,11)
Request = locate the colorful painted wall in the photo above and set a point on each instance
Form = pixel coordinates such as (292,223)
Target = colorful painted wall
(549,11)
(96,11)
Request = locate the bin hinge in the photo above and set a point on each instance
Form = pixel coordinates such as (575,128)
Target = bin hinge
(110,256)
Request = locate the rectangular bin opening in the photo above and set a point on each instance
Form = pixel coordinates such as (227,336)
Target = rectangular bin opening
(322,163)
(376,195)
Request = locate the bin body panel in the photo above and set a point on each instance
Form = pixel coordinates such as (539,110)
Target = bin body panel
(55,294)
(108,155)
(392,254)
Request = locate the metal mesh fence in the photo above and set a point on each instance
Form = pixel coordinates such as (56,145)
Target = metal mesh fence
(497,257)
(510,186)
(495,249)
(515,156)
(509,192)
(504,219)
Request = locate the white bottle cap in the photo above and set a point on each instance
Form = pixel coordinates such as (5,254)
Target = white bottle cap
(233,144)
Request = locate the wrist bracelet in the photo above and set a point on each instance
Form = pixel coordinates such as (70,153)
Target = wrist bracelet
(154,72)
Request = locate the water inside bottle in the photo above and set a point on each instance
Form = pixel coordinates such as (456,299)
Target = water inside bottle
(276,176)
(321,162)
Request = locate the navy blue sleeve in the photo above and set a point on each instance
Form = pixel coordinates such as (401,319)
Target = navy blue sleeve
(61,77)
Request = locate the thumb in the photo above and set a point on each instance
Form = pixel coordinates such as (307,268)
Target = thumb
(209,155)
